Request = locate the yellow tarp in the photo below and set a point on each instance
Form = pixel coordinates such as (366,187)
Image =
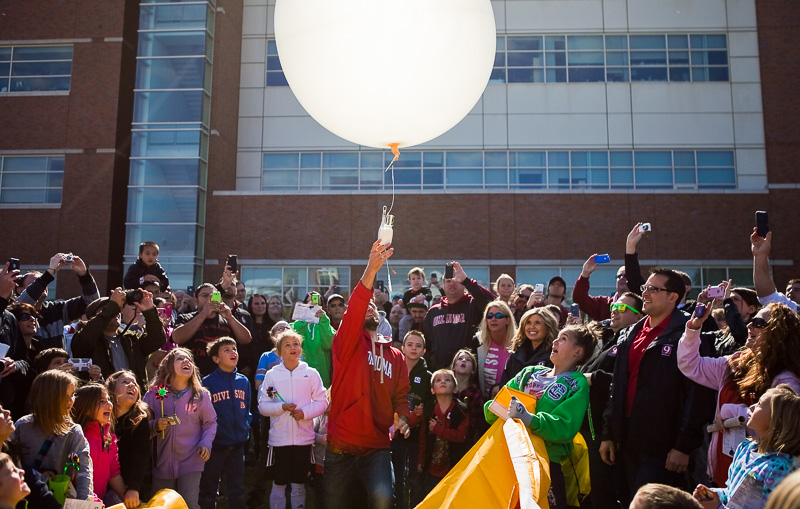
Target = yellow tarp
(486,476)
(164,499)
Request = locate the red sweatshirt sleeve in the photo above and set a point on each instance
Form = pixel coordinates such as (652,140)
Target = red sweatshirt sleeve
(348,336)
(596,307)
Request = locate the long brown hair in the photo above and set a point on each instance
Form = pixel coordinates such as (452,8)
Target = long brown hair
(778,350)
(550,322)
(166,372)
(138,411)
(783,435)
(87,402)
(50,402)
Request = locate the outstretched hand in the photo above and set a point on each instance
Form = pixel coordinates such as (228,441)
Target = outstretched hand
(760,246)
(633,239)
(378,254)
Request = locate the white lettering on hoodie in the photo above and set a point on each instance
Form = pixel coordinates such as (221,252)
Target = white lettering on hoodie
(382,364)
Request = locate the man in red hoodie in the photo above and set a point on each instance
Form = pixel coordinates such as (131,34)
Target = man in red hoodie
(369,388)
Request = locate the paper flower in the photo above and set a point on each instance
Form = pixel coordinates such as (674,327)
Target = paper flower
(271,393)
(74,461)
(162,391)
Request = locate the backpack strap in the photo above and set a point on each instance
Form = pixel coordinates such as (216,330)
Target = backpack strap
(37,463)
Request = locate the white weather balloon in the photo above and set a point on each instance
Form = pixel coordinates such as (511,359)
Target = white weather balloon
(377,72)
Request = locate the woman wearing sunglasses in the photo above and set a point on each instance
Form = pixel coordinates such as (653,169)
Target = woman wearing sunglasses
(771,357)
(493,344)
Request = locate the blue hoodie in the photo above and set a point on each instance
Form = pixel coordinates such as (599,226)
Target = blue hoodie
(230,394)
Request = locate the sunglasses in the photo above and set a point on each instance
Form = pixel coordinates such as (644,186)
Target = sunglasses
(758,323)
(499,316)
(24,317)
(619,306)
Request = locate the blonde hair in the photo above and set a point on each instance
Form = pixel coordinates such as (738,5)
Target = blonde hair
(289,333)
(501,277)
(483,329)
(166,372)
(448,372)
(550,322)
(783,434)
(50,403)
(654,496)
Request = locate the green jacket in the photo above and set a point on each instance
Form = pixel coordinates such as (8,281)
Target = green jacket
(317,341)
(559,412)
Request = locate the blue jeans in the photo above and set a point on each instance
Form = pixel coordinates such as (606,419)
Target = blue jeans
(374,472)
(230,460)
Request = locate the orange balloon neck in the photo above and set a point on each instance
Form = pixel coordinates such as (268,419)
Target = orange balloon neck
(395,151)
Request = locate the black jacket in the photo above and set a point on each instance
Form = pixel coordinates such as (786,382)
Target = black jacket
(14,388)
(669,410)
(525,356)
(55,314)
(419,379)
(133,443)
(138,270)
(90,342)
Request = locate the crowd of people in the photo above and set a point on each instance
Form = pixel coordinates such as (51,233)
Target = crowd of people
(371,400)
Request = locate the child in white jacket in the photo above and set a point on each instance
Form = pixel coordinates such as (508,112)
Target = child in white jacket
(292,395)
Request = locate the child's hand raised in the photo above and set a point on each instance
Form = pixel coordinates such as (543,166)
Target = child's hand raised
(418,410)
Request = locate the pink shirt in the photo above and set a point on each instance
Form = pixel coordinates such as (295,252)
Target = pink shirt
(105,461)
(493,367)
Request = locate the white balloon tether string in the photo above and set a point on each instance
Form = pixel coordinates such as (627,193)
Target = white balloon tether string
(396,153)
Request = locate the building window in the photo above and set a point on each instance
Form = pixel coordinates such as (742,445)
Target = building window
(291,283)
(35,68)
(275,77)
(604,281)
(31,180)
(499,171)
(610,58)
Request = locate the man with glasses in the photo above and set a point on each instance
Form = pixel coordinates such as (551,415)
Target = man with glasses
(655,417)
(626,311)
(451,323)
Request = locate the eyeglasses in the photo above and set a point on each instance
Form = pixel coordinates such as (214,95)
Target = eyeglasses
(653,289)
(499,316)
(758,323)
(24,317)
(619,306)
(280,328)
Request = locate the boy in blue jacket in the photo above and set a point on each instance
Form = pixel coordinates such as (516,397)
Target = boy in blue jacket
(230,394)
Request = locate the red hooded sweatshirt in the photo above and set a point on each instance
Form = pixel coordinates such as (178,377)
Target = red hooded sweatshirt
(370,383)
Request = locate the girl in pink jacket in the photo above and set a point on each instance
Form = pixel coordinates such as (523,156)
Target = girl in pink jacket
(771,357)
